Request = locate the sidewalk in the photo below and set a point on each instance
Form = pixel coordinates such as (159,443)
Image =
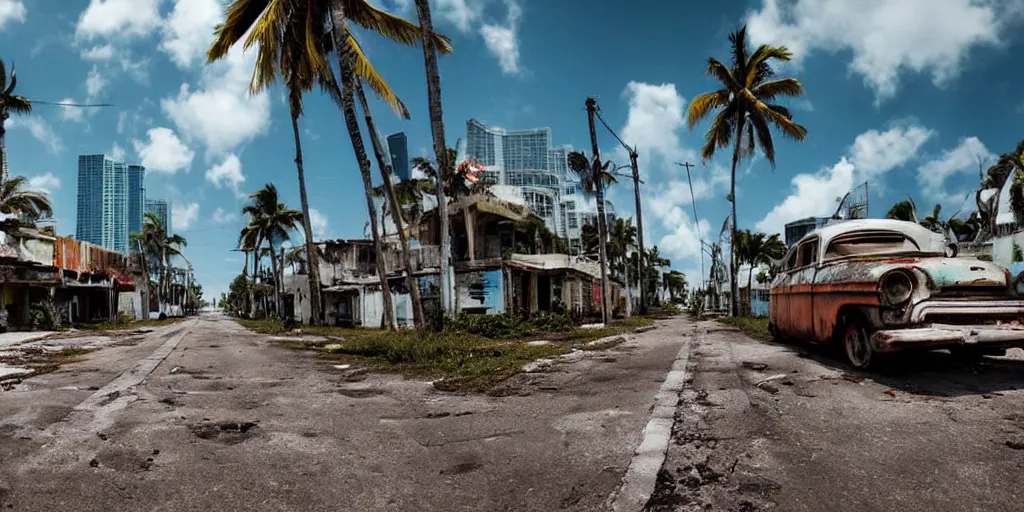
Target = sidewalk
(11,339)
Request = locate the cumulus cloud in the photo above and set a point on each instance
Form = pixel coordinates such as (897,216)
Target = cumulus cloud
(70,113)
(183,215)
(502,40)
(12,11)
(45,183)
(98,53)
(188,33)
(872,154)
(228,173)
(965,158)
(220,113)
(885,37)
(117,153)
(222,216)
(118,18)
(164,151)
(318,223)
(40,131)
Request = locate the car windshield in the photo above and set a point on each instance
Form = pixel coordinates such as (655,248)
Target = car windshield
(871,243)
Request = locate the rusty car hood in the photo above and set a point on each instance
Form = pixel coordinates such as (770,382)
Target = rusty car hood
(942,271)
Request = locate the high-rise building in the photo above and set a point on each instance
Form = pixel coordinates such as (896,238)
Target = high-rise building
(102,202)
(159,207)
(398,148)
(526,161)
(136,197)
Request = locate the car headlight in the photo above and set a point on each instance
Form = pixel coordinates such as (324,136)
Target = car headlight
(896,288)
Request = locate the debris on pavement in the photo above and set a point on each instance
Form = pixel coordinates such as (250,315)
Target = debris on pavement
(539,343)
(891,392)
(1015,444)
(342,366)
(767,386)
(853,378)
(176,369)
(646,328)
(772,379)
(754,366)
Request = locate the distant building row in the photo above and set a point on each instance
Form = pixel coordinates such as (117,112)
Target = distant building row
(112,202)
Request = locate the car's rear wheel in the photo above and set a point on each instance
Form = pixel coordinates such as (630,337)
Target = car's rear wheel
(857,345)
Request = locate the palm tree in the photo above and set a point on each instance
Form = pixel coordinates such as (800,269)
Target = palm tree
(654,260)
(437,134)
(295,33)
(745,106)
(675,283)
(271,220)
(904,210)
(10,103)
(18,201)
(933,222)
(279,23)
(621,241)
(594,177)
(159,249)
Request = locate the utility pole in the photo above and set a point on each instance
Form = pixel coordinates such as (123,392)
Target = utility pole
(639,213)
(599,187)
(696,219)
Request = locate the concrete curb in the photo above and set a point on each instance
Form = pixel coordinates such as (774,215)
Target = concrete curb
(638,483)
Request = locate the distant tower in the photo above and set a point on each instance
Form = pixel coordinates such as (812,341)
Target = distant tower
(159,207)
(102,202)
(136,199)
(398,147)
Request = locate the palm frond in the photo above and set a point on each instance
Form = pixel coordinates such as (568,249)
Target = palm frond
(365,71)
(790,87)
(723,74)
(759,68)
(704,104)
(759,125)
(784,124)
(390,26)
(240,17)
(720,133)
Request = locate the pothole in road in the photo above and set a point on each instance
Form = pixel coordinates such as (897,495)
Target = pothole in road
(360,392)
(228,432)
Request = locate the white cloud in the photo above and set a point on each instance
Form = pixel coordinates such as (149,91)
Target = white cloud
(886,37)
(461,13)
(98,53)
(71,113)
(502,40)
(227,173)
(682,241)
(962,159)
(220,112)
(45,183)
(875,152)
(188,31)
(11,11)
(318,223)
(118,18)
(653,122)
(222,216)
(117,153)
(183,215)
(94,83)
(872,154)
(41,131)
(164,151)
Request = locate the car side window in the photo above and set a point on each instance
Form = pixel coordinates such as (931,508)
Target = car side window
(807,253)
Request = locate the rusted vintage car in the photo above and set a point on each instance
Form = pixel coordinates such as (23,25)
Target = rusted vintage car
(879,286)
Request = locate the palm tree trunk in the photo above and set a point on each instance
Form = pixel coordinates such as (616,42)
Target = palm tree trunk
(750,290)
(313,274)
(277,282)
(601,230)
(255,272)
(396,214)
(352,124)
(4,166)
(733,284)
(440,149)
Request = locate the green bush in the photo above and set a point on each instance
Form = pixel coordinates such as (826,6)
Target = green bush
(696,304)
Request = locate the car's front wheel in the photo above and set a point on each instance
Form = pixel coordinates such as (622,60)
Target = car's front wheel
(857,345)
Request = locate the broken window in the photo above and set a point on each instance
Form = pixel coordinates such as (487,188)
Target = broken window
(870,243)
(807,253)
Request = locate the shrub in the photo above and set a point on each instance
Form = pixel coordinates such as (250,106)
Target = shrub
(504,326)
(696,304)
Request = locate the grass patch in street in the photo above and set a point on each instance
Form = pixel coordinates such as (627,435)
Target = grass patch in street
(755,327)
(131,324)
(44,361)
(463,361)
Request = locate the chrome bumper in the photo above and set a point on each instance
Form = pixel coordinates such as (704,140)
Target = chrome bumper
(925,308)
(942,335)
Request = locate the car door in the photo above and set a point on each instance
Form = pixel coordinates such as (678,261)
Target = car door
(801,303)
(778,308)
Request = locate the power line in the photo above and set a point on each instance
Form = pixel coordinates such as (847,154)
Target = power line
(62,104)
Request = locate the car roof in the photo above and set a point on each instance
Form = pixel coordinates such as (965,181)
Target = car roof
(924,237)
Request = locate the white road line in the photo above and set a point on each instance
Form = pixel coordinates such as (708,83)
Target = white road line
(638,483)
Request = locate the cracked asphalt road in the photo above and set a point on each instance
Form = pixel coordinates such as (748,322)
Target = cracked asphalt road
(932,434)
(206,415)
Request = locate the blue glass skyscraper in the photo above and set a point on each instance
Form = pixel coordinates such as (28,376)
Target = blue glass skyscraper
(136,198)
(159,207)
(106,191)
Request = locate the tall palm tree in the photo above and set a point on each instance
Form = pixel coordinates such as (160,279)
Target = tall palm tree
(17,200)
(594,177)
(745,106)
(10,103)
(440,148)
(272,221)
(622,240)
(654,260)
(159,248)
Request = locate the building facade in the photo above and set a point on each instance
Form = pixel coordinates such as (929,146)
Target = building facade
(527,163)
(136,197)
(103,202)
(162,211)
(398,150)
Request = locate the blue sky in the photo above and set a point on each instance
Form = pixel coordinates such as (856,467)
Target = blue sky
(900,93)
